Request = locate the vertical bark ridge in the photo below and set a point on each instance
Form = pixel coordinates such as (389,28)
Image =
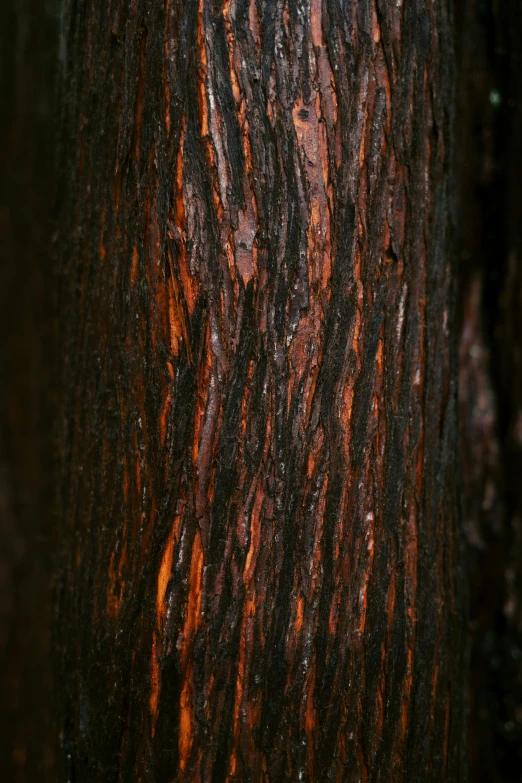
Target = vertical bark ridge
(261,575)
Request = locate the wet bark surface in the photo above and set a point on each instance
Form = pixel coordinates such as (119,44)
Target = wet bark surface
(261,575)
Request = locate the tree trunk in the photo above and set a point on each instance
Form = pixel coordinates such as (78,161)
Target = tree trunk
(490,243)
(261,576)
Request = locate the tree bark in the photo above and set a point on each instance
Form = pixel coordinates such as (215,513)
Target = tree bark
(262,566)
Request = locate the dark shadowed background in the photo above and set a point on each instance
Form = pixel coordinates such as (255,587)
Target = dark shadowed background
(489,248)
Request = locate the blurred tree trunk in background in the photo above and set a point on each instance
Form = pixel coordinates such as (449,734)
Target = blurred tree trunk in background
(28,45)
(490,249)
(262,567)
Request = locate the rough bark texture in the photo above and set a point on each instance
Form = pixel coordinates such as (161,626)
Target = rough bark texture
(490,241)
(262,565)
(27,64)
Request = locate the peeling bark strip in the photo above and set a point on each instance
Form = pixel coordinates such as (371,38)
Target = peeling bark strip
(262,575)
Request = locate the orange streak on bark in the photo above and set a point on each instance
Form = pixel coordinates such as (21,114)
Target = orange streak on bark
(325,78)
(231,261)
(212,125)
(230,41)
(176,330)
(210,426)
(334,611)
(202,96)
(248,613)
(192,619)
(164,575)
(244,243)
(299,613)
(185,722)
(165,570)
(376,30)
(180,202)
(316,22)
(189,282)
(313,148)
(255,538)
(134,266)
(253,19)
(363,595)
(194,600)
(164,416)
(315,451)
(318,553)
(244,234)
(357,329)
(362,147)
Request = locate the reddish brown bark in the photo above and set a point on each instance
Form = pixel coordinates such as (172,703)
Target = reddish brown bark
(262,563)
